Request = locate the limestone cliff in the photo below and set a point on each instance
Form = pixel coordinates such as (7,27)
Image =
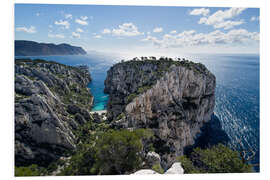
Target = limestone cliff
(173,98)
(51,100)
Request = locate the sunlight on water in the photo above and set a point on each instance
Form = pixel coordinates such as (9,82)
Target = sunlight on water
(237,97)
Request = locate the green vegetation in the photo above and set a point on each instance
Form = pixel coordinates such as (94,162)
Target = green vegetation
(158,168)
(80,97)
(32,170)
(143,89)
(120,116)
(164,63)
(118,152)
(217,159)
(24,61)
(140,90)
(31,78)
(61,76)
(20,96)
(35,61)
(131,97)
(109,152)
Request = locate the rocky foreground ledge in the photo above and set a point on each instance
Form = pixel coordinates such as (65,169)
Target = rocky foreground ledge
(51,101)
(174,98)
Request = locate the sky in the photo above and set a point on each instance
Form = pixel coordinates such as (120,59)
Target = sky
(143,30)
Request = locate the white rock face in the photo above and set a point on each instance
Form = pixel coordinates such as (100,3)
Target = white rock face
(175,169)
(175,103)
(43,127)
(153,158)
(145,172)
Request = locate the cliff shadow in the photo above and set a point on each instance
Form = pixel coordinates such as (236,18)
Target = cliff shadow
(211,134)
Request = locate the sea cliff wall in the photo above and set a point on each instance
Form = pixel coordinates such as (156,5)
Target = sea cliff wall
(173,98)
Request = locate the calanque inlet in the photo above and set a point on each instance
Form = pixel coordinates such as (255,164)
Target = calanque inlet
(160,111)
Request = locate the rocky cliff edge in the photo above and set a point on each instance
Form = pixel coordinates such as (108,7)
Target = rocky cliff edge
(174,98)
(51,101)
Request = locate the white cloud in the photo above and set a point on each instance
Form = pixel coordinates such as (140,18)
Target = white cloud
(76,35)
(68,16)
(97,36)
(30,30)
(62,23)
(254,18)
(220,18)
(56,36)
(84,18)
(79,30)
(192,38)
(81,22)
(173,32)
(201,11)
(157,30)
(126,29)
(106,31)
(228,24)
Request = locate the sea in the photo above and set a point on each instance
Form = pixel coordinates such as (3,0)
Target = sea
(237,91)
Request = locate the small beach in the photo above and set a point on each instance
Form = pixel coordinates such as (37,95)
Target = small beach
(99,112)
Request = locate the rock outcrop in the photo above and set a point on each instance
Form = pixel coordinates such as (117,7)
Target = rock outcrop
(31,48)
(152,158)
(175,169)
(173,98)
(51,100)
(145,172)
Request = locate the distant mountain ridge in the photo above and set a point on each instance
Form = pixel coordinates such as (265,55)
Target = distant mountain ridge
(32,48)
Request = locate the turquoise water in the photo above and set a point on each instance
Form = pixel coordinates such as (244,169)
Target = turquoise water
(237,91)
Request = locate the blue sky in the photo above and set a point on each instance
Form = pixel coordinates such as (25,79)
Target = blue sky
(141,29)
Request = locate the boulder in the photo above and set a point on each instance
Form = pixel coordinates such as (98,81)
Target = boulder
(176,168)
(152,158)
(145,172)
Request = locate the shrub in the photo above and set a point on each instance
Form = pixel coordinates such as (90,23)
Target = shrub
(131,97)
(118,152)
(217,159)
(32,170)
(158,168)
(144,133)
(111,152)
(81,162)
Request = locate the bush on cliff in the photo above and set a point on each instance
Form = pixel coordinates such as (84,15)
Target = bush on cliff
(32,170)
(217,159)
(81,162)
(158,168)
(111,152)
(118,152)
